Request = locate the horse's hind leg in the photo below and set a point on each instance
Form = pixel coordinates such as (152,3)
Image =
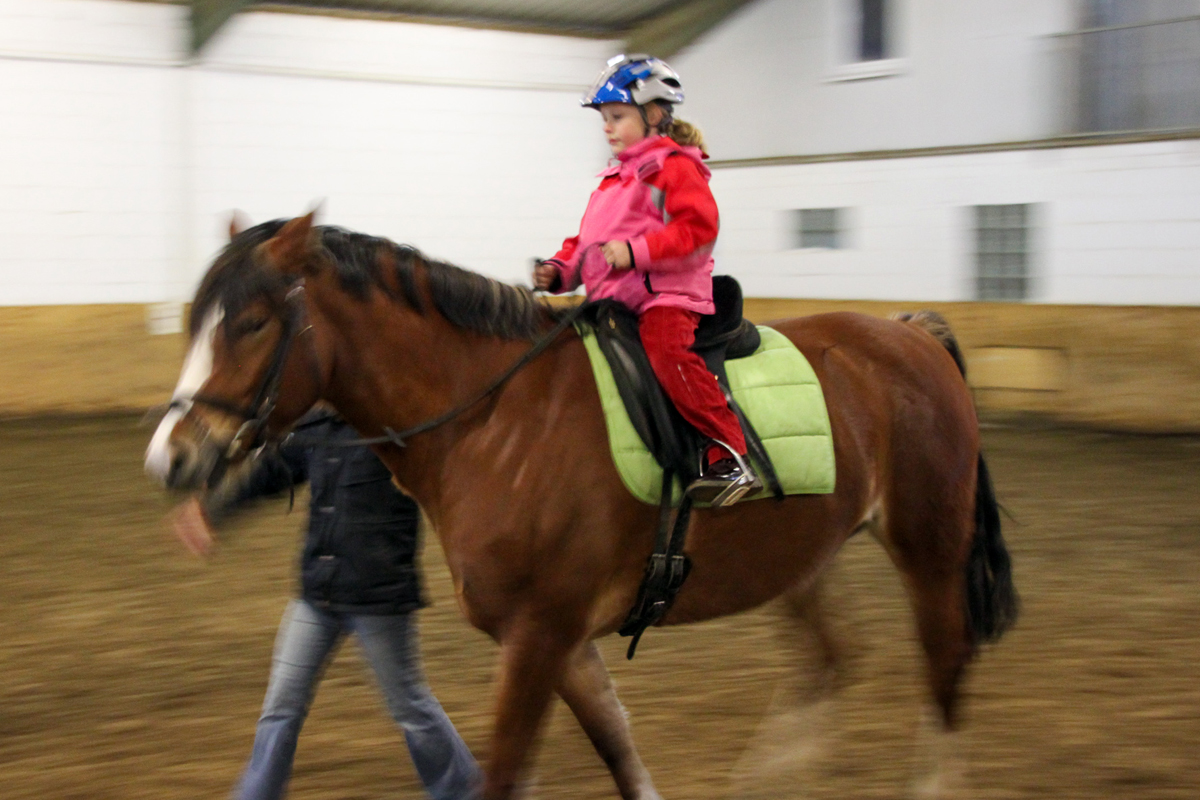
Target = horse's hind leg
(793,739)
(588,691)
(931,553)
(810,629)
(945,638)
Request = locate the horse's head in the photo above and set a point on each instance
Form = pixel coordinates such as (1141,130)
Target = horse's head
(254,365)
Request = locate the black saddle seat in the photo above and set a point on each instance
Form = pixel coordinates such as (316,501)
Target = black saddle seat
(726,328)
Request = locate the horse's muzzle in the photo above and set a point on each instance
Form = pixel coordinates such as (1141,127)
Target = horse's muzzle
(180,460)
(190,466)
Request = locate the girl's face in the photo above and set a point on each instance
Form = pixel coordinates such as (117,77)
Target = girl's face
(622,125)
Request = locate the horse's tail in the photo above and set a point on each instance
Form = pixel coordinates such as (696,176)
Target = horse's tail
(991,596)
(935,324)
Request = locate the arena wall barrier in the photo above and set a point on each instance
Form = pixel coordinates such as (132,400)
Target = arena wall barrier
(1131,368)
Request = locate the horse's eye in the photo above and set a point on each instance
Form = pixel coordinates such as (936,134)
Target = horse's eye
(252,325)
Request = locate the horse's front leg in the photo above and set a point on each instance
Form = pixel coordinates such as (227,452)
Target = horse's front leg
(533,658)
(588,691)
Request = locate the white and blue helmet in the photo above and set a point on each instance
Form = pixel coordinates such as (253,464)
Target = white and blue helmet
(637,79)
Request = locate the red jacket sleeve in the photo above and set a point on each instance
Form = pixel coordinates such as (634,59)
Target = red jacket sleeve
(567,252)
(691,211)
(568,270)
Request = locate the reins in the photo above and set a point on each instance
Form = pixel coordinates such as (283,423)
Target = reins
(398,437)
(251,435)
(254,415)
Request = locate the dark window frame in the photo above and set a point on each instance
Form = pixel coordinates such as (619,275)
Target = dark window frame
(873,44)
(1002,265)
(819,229)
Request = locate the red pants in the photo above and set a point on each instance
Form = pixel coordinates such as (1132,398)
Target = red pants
(668,334)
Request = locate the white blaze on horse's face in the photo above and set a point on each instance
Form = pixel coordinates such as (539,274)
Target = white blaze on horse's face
(197,368)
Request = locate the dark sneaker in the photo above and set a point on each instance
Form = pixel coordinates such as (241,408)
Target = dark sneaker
(724,483)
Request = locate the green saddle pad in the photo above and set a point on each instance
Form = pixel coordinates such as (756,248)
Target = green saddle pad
(776,388)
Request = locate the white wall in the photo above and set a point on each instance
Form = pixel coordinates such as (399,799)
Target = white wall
(967,71)
(86,207)
(1114,224)
(121,162)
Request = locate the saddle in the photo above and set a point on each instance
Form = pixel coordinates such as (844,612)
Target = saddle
(637,409)
(720,336)
(674,443)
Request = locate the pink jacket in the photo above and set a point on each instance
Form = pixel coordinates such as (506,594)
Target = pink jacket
(666,212)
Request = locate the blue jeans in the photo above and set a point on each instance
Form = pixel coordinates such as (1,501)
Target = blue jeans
(308,637)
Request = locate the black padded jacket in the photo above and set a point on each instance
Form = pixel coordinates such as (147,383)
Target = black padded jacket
(361,541)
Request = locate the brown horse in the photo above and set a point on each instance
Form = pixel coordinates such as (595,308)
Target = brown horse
(545,544)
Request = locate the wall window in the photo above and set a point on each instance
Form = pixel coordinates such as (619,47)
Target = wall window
(872,30)
(819,228)
(863,39)
(1133,66)
(1002,252)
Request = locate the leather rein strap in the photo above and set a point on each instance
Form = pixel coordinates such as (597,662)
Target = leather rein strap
(399,438)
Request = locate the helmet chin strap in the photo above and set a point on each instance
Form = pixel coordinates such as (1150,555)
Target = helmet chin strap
(646,128)
(666,117)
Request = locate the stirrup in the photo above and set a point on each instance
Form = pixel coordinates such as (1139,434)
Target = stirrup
(719,492)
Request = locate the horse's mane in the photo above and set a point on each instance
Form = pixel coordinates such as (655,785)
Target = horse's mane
(467,299)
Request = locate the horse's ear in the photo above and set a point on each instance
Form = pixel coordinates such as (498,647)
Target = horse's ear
(238,222)
(288,250)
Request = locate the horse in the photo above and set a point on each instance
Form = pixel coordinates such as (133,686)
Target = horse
(545,545)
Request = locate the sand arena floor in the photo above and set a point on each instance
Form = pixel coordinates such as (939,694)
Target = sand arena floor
(131,670)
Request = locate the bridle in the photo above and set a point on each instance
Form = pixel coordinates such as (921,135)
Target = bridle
(252,434)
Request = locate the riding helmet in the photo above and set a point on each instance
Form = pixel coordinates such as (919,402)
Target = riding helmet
(637,79)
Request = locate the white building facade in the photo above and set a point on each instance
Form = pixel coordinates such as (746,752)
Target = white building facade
(1036,150)
(122,159)
(868,149)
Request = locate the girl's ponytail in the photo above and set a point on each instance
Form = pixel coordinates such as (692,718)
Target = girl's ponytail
(686,134)
(683,133)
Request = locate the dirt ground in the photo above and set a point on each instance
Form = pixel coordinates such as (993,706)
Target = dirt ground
(131,670)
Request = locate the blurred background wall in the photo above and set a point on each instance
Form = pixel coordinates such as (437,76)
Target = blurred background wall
(1030,168)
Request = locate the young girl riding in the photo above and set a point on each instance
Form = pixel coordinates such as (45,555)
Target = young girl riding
(646,241)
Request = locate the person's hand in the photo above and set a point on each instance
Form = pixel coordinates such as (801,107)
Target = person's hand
(617,255)
(544,274)
(191,527)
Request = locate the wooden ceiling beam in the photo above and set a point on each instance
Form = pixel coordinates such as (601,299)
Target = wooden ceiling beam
(663,35)
(207,17)
(667,33)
